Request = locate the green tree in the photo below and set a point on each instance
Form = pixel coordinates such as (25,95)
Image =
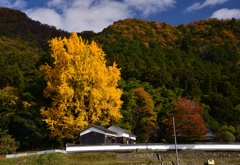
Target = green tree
(210,122)
(227,137)
(27,127)
(8,145)
(221,108)
(20,118)
(82,88)
(9,101)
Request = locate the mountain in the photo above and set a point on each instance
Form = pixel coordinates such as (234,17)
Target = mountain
(16,24)
(198,60)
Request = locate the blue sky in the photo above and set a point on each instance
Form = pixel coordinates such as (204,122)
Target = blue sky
(80,15)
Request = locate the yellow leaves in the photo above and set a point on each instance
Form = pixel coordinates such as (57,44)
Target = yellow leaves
(26,104)
(10,100)
(9,92)
(65,92)
(82,88)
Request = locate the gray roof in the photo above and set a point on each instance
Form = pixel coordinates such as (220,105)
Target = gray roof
(123,130)
(102,129)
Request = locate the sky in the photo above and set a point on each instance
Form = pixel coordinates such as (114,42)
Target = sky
(95,15)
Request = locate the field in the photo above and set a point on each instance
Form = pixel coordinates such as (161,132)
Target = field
(64,159)
(141,157)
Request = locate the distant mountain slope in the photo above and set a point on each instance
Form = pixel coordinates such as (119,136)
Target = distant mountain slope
(16,24)
(210,31)
(138,45)
(136,29)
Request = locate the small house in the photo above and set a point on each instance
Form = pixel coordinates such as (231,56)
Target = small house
(95,135)
(123,136)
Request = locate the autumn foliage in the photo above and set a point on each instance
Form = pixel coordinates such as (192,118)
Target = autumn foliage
(144,118)
(197,60)
(189,123)
(81,86)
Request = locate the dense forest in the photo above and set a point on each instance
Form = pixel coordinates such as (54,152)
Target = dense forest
(160,64)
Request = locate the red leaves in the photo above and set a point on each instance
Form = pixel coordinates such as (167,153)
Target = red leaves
(188,121)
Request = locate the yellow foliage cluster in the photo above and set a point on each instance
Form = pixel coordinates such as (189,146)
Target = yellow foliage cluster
(82,88)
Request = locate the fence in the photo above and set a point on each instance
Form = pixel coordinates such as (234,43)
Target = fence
(154,147)
(32,153)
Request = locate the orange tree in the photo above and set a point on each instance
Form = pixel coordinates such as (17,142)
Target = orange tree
(144,118)
(189,123)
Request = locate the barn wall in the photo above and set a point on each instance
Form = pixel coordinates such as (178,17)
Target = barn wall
(92,138)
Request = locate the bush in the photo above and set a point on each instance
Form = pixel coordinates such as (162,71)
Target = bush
(51,158)
(8,145)
(227,137)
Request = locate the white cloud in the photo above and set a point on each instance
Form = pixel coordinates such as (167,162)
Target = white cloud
(17,4)
(94,17)
(80,15)
(226,13)
(198,6)
(45,16)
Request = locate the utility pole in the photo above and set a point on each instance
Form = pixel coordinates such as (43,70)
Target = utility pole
(175,139)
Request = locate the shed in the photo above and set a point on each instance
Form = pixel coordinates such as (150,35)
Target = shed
(97,135)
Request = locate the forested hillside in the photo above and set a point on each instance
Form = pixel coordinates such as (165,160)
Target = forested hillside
(159,64)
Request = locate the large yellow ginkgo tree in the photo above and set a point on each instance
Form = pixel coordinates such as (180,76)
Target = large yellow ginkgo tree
(82,88)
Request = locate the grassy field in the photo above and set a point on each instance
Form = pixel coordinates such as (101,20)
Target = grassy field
(143,158)
(69,159)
